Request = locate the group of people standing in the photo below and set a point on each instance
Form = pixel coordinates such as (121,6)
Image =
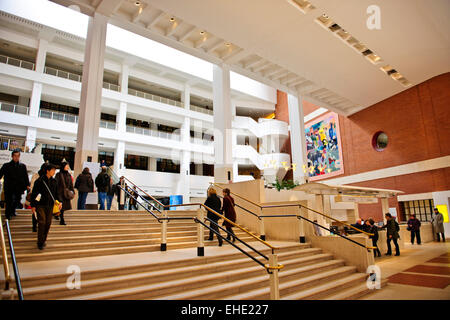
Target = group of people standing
(226,208)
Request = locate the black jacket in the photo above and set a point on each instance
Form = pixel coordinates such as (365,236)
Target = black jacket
(40,188)
(84,183)
(374,230)
(214,203)
(66,204)
(16,177)
(102,182)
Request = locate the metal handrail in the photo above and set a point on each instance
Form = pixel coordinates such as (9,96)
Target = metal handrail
(153,97)
(294,205)
(13,259)
(20,64)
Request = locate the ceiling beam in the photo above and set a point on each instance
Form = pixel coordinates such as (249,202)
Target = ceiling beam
(262,66)
(295,82)
(237,56)
(171,30)
(215,46)
(204,41)
(108,7)
(187,34)
(281,75)
(275,70)
(250,64)
(140,13)
(155,20)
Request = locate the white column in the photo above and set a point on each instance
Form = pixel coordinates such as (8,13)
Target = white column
(152,164)
(384,207)
(298,140)
(119,158)
(35,100)
(91,92)
(41,54)
(223,142)
(185,159)
(30,141)
(123,78)
(121,117)
(186,96)
(199,169)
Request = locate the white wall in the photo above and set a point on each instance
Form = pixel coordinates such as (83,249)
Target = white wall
(442,198)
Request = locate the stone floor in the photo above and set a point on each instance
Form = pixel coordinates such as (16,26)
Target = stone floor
(419,273)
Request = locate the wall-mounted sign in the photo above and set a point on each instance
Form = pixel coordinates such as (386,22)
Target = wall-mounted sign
(358,199)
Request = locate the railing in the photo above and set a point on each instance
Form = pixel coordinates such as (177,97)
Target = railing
(202,141)
(153,133)
(108,125)
(9,143)
(153,97)
(8,279)
(17,62)
(8,107)
(262,232)
(271,266)
(111,86)
(202,110)
(47,114)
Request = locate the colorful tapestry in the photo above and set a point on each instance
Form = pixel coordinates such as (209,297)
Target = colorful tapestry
(323,147)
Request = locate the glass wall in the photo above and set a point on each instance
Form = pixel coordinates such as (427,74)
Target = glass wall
(421,208)
(136,162)
(56,154)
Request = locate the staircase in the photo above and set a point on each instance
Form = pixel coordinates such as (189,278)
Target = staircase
(124,237)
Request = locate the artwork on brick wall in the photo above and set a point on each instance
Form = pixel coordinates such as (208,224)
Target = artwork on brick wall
(323,147)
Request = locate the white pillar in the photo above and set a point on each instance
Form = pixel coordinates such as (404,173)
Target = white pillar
(384,207)
(121,117)
(199,169)
(223,142)
(41,54)
(119,158)
(152,164)
(186,96)
(35,100)
(123,78)
(298,139)
(91,92)
(30,141)
(23,101)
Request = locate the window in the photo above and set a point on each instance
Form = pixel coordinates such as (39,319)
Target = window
(59,108)
(136,162)
(108,157)
(379,141)
(56,154)
(166,165)
(421,208)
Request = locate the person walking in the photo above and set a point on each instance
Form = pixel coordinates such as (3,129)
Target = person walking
(228,211)
(438,224)
(66,191)
(34,178)
(392,229)
(102,182)
(373,229)
(414,228)
(84,184)
(121,193)
(133,198)
(213,202)
(110,194)
(15,183)
(45,192)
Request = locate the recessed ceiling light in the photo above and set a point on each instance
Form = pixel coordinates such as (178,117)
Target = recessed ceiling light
(228,44)
(137,3)
(172,19)
(202,32)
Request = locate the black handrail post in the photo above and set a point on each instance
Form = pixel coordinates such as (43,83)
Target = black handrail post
(302,237)
(14,262)
(200,233)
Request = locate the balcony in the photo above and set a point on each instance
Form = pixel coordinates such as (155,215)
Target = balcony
(202,110)
(76,77)
(108,125)
(10,143)
(17,62)
(153,133)
(8,107)
(202,141)
(153,97)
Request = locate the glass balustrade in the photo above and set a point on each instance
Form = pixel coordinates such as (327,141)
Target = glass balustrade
(153,133)
(153,97)
(202,110)
(4,106)
(17,62)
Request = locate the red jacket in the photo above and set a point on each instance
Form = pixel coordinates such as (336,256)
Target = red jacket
(228,210)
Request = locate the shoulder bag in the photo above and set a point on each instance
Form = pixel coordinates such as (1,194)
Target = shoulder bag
(68,194)
(56,203)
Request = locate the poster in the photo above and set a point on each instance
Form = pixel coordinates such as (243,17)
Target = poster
(323,147)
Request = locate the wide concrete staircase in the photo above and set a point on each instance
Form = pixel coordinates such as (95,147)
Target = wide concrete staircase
(223,273)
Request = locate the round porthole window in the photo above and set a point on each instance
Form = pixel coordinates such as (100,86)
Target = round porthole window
(380,141)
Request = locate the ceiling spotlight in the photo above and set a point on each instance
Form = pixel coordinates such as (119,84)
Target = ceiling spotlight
(137,3)
(172,19)
(228,44)
(202,32)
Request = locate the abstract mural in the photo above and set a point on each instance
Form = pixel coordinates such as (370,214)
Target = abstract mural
(323,147)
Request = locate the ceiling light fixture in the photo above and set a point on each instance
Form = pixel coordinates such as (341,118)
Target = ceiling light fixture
(172,19)
(202,32)
(137,3)
(228,44)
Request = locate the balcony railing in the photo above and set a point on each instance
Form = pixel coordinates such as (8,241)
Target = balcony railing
(108,125)
(17,62)
(153,97)
(47,114)
(202,110)
(153,133)
(202,141)
(10,144)
(4,106)
(76,77)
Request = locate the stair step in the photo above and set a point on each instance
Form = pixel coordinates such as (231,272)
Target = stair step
(355,292)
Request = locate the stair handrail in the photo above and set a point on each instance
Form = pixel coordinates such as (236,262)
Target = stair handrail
(13,260)
(293,205)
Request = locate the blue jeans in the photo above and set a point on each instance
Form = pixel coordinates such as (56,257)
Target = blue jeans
(101,200)
(82,200)
(109,200)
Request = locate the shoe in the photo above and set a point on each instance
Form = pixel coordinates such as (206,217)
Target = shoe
(41,247)
(220,244)
(56,217)
(389,254)
(209,239)
(63,223)
(234,239)
(397,254)
(34,230)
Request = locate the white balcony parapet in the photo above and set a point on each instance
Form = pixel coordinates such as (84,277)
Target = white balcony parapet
(47,114)
(202,110)
(4,106)
(153,97)
(153,133)
(108,125)
(263,127)
(202,141)
(17,62)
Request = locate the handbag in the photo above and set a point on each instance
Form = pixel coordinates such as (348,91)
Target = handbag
(56,211)
(68,194)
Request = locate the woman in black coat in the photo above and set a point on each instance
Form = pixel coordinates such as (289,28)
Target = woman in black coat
(64,180)
(84,184)
(213,202)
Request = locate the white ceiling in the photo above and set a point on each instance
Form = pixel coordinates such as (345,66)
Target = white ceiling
(273,42)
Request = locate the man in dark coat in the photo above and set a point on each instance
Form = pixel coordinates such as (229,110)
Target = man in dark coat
(391,227)
(229,212)
(102,183)
(120,193)
(15,183)
(414,227)
(213,202)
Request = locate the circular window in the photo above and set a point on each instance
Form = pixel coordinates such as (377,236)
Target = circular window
(379,141)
